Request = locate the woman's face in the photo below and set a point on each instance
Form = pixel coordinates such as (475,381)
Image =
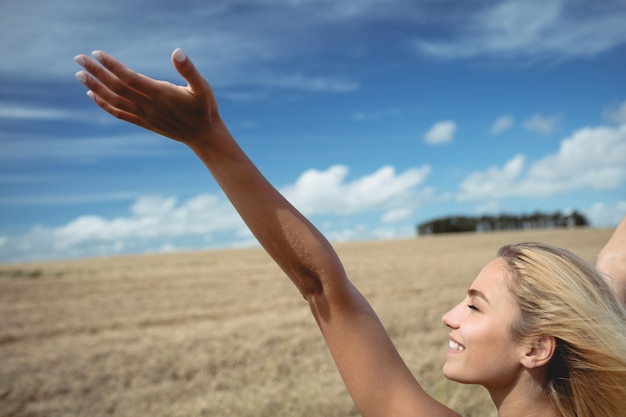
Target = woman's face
(482,350)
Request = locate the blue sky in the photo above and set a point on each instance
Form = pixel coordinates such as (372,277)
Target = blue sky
(371,116)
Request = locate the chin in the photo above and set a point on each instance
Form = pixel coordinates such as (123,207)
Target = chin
(454,376)
(448,373)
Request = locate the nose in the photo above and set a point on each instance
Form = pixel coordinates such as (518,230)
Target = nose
(450,319)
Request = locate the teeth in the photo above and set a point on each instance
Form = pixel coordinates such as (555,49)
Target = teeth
(454,345)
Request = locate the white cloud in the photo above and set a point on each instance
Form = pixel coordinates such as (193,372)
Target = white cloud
(547,30)
(153,206)
(8,111)
(152,218)
(501,124)
(161,222)
(441,133)
(262,37)
(324,192)
(603,215)
(308,83)
(84,149)
(345,234)
(361,231)
(591,158)
(62,199)
(266,35)
(542,124)
(396,215)
(489,206)
(493,183)
(616,113)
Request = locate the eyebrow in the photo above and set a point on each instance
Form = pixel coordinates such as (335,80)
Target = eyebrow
(475,293)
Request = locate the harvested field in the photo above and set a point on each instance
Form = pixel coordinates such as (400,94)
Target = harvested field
(223,333)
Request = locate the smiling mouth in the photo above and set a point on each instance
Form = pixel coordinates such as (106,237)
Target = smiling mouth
(455,346)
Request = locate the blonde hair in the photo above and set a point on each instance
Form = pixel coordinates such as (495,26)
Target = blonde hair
(561,295)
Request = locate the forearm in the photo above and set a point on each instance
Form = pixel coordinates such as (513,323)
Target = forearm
(612,261)
(189,115)
(290,239)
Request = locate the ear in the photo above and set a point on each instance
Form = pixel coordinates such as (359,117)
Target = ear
(539,351)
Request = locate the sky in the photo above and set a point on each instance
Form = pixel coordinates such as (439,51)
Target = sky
(370,116)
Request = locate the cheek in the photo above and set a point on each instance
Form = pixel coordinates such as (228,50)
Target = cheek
(488,338)
(492,356)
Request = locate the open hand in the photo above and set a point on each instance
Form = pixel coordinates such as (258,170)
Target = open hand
(186,114)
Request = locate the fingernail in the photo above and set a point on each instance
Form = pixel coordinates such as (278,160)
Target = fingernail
(81,76)
(179,55)
(91,95)
(97,55)
(80,60)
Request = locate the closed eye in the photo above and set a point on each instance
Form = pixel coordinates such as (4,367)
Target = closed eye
(473,307)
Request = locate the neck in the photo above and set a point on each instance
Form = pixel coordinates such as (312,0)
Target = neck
(524,398)
(527,408)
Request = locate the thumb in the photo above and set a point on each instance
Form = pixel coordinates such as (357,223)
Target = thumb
(188,71)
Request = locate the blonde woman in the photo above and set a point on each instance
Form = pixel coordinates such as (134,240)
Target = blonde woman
(539,328)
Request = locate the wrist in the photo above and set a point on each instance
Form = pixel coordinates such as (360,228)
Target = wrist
(214,141)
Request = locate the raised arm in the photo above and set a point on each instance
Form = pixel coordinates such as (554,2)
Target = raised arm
(377,378)
(612,261)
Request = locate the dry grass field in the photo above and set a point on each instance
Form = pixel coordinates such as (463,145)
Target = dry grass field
(223,333)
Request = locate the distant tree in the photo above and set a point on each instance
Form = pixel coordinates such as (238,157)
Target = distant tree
(579,219)
(504,221)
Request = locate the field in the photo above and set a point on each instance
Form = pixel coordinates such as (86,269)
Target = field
(223,333)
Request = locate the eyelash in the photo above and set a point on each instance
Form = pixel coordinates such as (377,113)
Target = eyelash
(472,307)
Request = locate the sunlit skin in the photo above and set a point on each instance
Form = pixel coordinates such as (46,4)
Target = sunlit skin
(486,353)
(481,324)
(483,349)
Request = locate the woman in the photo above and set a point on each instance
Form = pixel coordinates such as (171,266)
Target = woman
(525,359)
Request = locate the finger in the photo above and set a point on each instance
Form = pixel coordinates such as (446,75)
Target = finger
(108,80)
(188,71)
(104,94)
(114,111)
(124,80)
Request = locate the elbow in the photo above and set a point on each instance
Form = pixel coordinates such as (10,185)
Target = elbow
(321,284)
(612,261)
(612,265)
(309,286)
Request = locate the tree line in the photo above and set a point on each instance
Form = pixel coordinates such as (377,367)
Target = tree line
(484,223)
